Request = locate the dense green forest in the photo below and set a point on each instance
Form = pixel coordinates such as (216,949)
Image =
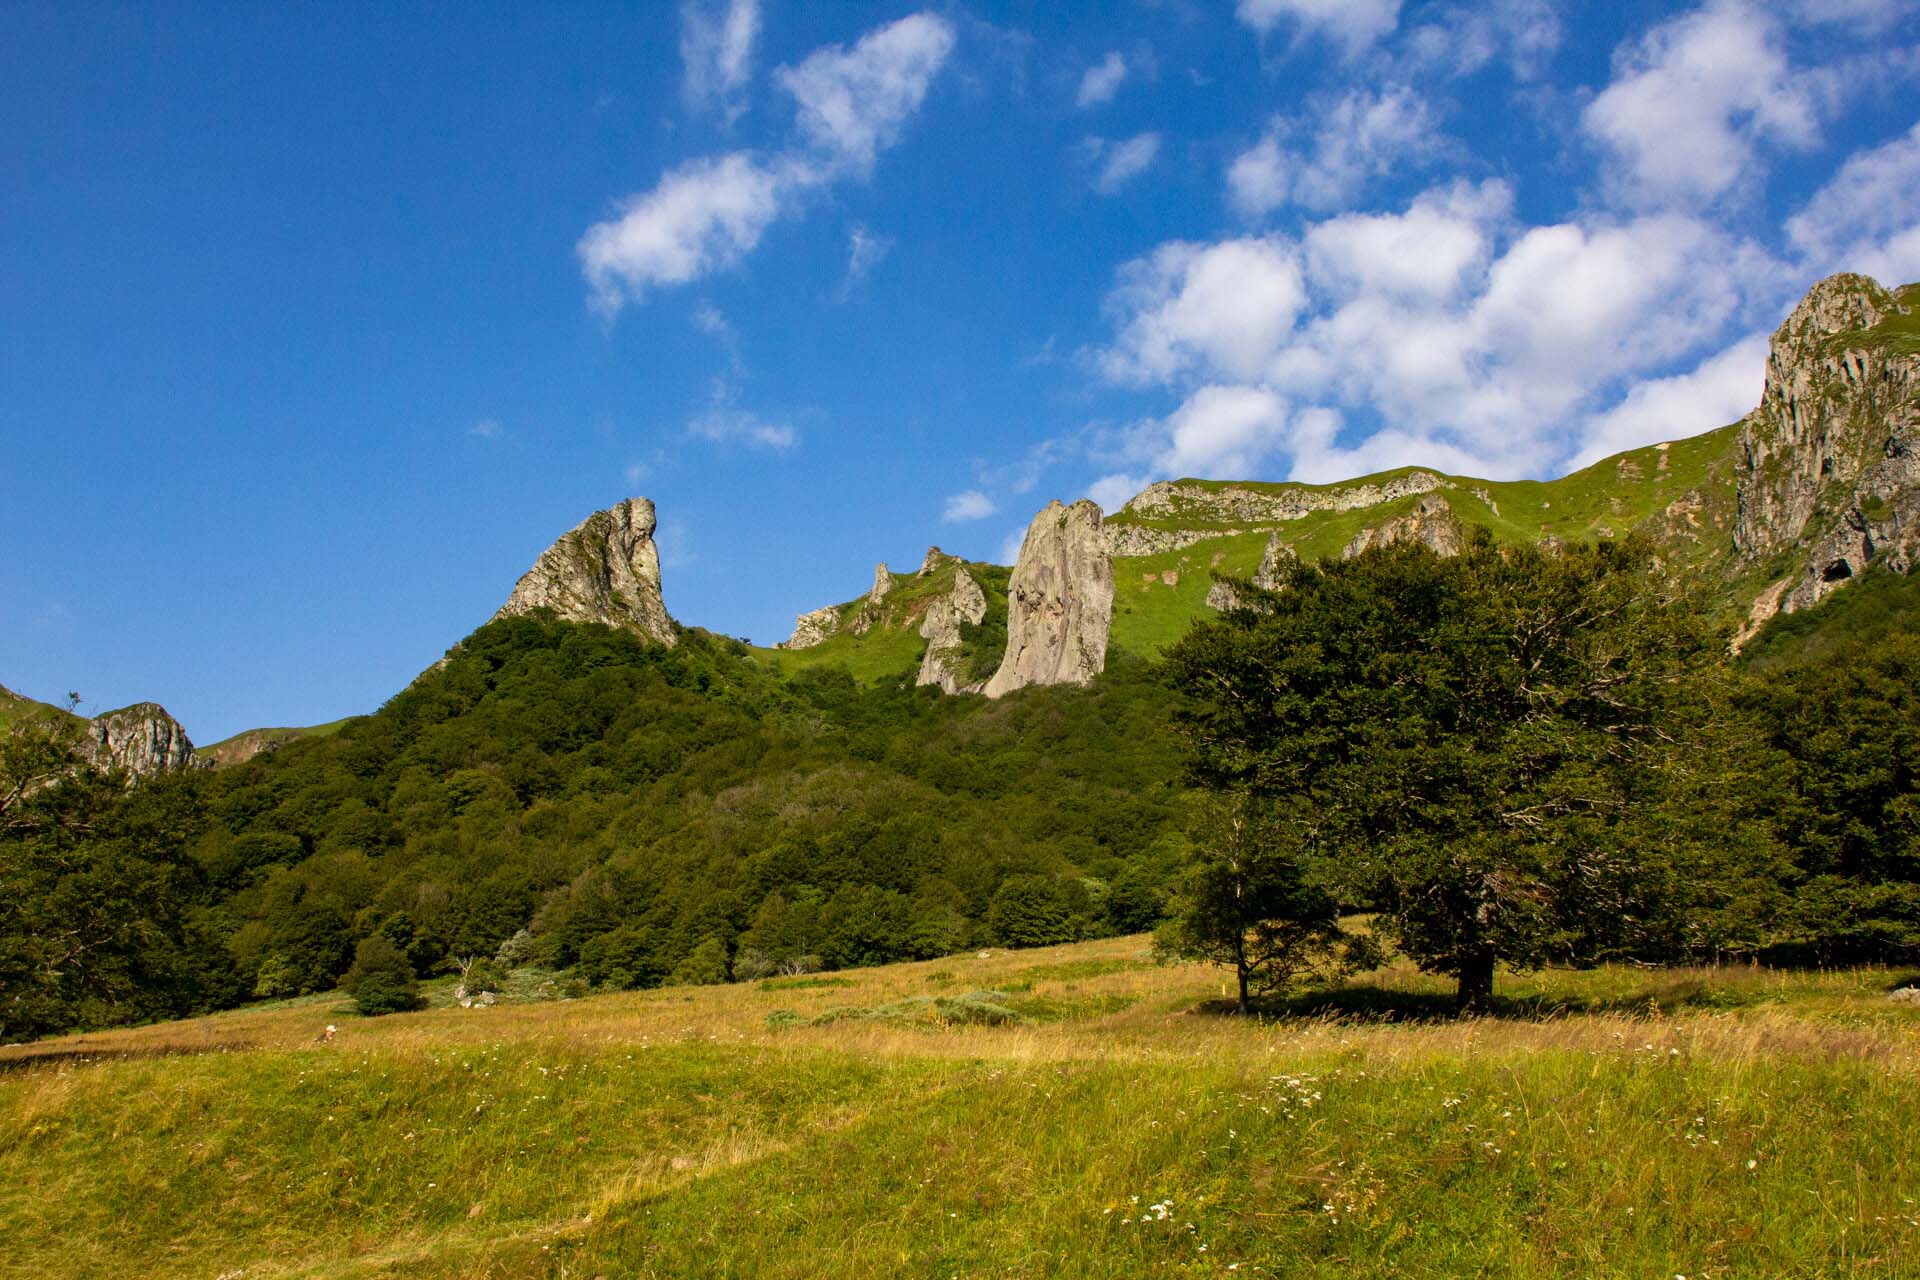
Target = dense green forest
(574,797)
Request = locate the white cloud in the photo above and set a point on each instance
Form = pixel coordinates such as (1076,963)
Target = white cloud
(1364,135)
(716,48)
(971,505)
(705,215)
(726,425)
(1691,101)
(865,251)
(1460,40)
(1865,218)
(1110,493)
(1101,81)
(1430,253)
(1444,334)
(486,429)
(1721,390)
(1352,24)
(1227,306)
(1011,544)
(1122,162)
(1224,432)
(854,102)
(702,217)
(1871,16)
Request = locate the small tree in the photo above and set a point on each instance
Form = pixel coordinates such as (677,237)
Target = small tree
(381,979)
(1248,900)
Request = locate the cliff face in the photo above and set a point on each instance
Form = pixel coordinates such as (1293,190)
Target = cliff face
(606,570)
(1059,602)
(1431,522)
(141,739)
(940,628)
(1829,465)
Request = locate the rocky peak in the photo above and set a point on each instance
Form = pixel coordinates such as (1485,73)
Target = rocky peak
(1829,463)
(1059,602)
(606,569)
(141,739)
(873,609)
(1431,522)
(965,604)
(931,562)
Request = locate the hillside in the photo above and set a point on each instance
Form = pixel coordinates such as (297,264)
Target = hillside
(1716,1122)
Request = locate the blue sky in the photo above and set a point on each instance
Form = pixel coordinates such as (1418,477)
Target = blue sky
(320,322)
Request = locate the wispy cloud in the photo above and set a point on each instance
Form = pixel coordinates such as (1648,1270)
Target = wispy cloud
(1101,81)
(1122,162)
(706,214)
(487,429)
(865,251)
(725,422)
(716,50)
(971,505)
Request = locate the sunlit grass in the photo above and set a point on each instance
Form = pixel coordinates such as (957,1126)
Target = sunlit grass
(1718,1121)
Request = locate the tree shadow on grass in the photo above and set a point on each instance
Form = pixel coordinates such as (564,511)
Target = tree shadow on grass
(1367,1003)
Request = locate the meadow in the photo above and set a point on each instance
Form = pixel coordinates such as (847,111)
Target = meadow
(1068,1111)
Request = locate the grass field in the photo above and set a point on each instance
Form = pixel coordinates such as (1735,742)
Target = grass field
(1076,1111)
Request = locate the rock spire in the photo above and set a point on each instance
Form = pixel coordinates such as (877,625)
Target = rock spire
(1059,602)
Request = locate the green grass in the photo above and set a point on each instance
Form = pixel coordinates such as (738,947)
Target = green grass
(891,650)
(1712,1122)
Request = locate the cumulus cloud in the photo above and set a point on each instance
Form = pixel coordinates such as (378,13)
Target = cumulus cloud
(1865,218)
(1720,390)
(854,102)
(1691,101)
(1354,25)
(1223,307)
(707,214)
(971,505)
(716,49)
(1324,159)
(1444,333)
(1122,162)
(1101,81)
(703,216)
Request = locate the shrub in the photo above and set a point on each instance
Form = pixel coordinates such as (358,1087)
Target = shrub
(381,980)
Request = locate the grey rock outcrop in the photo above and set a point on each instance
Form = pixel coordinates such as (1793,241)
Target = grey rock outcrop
(1173,499)
(1431,522)
(931,562)
(1829,462)
(965,604)
(606,569)
(814,628)
(1059,602)
(1221,595)
(141,739)
(873,608)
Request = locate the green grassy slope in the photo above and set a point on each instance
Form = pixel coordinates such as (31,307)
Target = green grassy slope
(892,648)
(1681,493)
(1702,1123)
(249,742)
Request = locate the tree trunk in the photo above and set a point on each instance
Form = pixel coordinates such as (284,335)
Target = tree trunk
(1243,987)
(1240,969)
(1476,982)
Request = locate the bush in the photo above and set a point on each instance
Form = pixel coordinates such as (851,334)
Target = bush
(381,980)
